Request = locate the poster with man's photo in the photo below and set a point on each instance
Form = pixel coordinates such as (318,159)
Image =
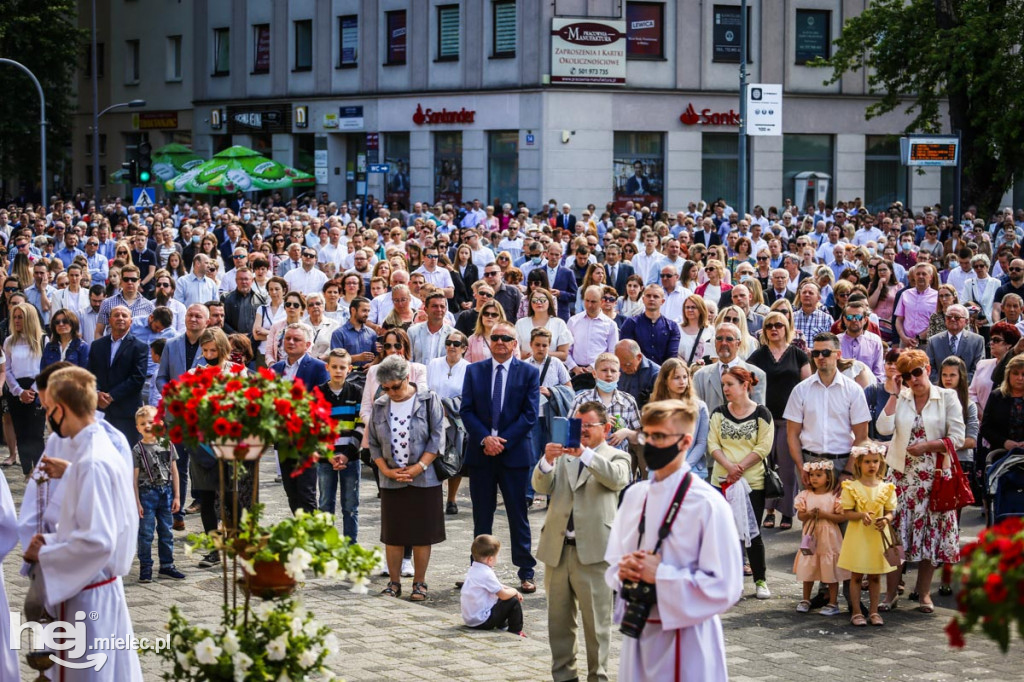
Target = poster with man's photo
(640,180)
(398,181)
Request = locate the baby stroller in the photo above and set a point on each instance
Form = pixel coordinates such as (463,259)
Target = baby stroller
(1004,485)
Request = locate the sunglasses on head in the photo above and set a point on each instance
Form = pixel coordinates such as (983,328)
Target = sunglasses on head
(827,353)
(503,338)
(916,372)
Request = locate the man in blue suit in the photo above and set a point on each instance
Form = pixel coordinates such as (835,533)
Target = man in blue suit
(499,408)
(119,362)
(298,364)
(616,272)
(562,281)
(180,355)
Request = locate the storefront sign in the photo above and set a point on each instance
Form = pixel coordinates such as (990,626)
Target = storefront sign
(267,119)
(302,116)
(725,35)
(645,24)
(351,117)
(155,120)
(588,51)
(330,121)
(430,116)
(764,109)
(707,117)
(216,119)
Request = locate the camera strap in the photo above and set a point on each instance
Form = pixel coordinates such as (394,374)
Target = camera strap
(670,515)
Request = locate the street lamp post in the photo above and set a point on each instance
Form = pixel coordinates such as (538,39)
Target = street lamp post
(42,126)
(135,103)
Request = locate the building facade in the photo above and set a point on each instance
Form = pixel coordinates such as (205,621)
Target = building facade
(479,99)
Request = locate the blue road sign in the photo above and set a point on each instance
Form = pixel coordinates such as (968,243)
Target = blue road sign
(380,167)
(144,197)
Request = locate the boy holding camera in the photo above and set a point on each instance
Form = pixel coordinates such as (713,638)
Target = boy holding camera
(671,591)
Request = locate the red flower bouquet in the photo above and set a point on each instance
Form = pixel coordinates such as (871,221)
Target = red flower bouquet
(991,585)
(208,406)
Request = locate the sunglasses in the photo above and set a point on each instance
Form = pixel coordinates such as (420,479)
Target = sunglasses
(62,320)
(859,316)
(710,269)
(488,315)
(129,279)
(392,388)
(391,346)
(434,255)
(1016,269)
(609,299)
(238,256)
(492,274)
(996,339)
(164,285)
(827,353)
(537,301)
(292,304)
(449,343)
(503,338)
(726,339)
(916,372)
(503,258)
(762,258)
(484,294)
(668,275)
(309,255)
(774,325)
(10,289)
(733,320)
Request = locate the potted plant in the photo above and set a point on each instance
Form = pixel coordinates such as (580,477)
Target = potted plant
(991,577)
(275,557)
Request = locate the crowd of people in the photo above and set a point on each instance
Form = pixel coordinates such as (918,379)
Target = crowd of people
(852,352)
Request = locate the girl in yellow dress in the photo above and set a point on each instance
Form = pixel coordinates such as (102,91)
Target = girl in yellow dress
(869,503)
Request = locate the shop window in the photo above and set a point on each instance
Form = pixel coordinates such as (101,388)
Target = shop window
(885,178)
(396,155)
(448,33)
(719,168)
(645,30)
(813,34)
(503,29)
(221,51)
(638,167)
(448,167)
(394,24)
(261,48)
(807,153)
(503,168)
(304,45)
(348,40)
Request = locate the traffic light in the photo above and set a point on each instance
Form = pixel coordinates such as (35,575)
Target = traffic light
(145,165)
(131,171)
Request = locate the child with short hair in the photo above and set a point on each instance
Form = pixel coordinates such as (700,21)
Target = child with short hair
(342,470)
(156,351)
(486,603)
(156,494)
(821,512)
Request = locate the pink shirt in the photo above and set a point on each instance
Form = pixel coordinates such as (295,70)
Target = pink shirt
(916,310)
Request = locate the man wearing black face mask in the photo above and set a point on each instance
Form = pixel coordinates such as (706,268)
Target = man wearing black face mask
(695,571)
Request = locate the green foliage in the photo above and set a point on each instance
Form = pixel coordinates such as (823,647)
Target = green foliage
(44,36)
(928,56)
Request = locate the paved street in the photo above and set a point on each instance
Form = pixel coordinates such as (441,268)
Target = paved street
(384,638)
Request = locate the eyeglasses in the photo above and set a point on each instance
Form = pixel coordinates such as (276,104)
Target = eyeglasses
(726,339)
(129,279)
(493,273)
(391,346)
(163,285)
(955,317)
(658,439)
(292,304)
(609,299)
(775,325)
(858,316)
(827,353)
(503,338)
(450,342)
(489,315)
(392,388)
(599,425)
(62,320)
(916,372)
(668,275)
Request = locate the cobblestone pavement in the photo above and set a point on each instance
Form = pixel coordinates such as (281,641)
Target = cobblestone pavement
(383,638)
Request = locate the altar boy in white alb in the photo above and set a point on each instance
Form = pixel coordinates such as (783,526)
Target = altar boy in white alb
(94,544)
(696,570)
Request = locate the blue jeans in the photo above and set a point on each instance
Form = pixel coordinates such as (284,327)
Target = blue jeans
(348,478)
(156,511)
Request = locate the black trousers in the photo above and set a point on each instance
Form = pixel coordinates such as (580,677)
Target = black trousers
(507,611)
(301,490)
(29,419)
(756,550)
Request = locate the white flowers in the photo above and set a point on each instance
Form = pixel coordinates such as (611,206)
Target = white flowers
(264,610)
(207,651)
(308,658)
(359,585)
(247,565)
(241,663)
(296,626)
(277,648)
(298,561)
(189,549)
(183,660)
(331,568)
(230,642)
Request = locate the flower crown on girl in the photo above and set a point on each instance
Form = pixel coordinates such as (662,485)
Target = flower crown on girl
(824,465)
(869,449)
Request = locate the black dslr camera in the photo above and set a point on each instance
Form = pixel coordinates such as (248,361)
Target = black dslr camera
(639,597)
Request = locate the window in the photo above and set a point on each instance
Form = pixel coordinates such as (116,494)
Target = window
(396,155)
(725,35)
(173,58)
(221,51)
(88,175)
(394,24)
(638,167)
(503,167)
(448,33)
(261,48)
(88,144)
(448,168)
(304,45)
(719,174)
(131,61)
(504,29)
(813,31)
(100,59)
(645,30)
(802,153)
(348,40)
(885,178)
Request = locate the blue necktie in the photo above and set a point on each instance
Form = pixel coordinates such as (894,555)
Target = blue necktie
(496,399)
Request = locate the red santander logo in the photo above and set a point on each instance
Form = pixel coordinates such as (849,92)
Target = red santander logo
(431,116)
(707,117)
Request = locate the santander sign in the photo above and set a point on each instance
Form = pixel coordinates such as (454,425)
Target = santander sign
(706,117)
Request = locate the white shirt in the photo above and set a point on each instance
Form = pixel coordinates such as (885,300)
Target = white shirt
(291,370)
(479,594)
(308,282)
(76,303)
(482,257)
(827,414)
(400,417)
(444,380)
(440,277)
(672,308)
(381,307)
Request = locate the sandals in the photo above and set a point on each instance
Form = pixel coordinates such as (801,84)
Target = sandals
(926,607)
(889,605)
(804,606)
(392,590)
(876,619)
(786,523)
(769,520)
(945,590)
(747,570)
(859,620)
(419,592)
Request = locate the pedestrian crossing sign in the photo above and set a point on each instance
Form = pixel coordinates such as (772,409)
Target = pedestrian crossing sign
(144,197)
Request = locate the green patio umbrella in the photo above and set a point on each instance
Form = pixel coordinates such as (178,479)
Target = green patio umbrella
(238,168)
(168,162)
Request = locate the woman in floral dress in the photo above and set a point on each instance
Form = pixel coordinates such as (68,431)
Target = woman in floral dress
(919,415)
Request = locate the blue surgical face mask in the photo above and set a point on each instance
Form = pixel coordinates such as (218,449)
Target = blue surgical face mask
(606,386)
(536,260)
(196,238)
(906,246)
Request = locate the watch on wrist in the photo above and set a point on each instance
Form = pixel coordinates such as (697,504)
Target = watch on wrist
(422,465)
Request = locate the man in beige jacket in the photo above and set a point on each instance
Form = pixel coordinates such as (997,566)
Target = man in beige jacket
(584,485)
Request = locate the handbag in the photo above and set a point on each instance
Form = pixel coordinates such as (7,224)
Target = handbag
(809,543)
(953,492)
(772,482)
(892,548)
(449,463)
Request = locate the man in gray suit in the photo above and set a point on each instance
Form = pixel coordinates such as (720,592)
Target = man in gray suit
(181,354)
(584,486)
(966,345)
(708,380)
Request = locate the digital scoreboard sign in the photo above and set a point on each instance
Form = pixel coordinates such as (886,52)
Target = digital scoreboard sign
(930,151)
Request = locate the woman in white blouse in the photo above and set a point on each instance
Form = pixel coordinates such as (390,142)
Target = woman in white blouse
(24,351)
(543,314)
(696,337)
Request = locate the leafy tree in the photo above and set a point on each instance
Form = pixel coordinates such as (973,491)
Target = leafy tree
(965,55)
(44,36)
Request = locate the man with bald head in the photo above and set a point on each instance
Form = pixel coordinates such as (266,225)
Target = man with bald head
(120,362)
(637,371)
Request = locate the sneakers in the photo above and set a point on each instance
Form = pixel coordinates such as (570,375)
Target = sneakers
(145,575)
(171,572)
(762,590)
(407,571)
(803,607)
(830,610)
(210,560)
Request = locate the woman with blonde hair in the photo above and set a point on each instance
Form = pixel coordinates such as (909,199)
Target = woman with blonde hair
(712,290)
(673,383)
(696,336)
(757,304)
(733,314)
(479,347)
(543,312)
(23,351)
(783,306)
(595,274)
